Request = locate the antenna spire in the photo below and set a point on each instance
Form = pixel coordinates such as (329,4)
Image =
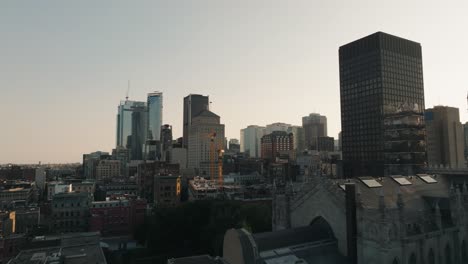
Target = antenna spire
(128,90)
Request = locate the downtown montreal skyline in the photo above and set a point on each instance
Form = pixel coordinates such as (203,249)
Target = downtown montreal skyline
(65,66)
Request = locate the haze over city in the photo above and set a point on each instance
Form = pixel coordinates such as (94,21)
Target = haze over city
(65,66)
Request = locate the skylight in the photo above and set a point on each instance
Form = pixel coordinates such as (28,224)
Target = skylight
(401,180)
(370,182)
(427,178)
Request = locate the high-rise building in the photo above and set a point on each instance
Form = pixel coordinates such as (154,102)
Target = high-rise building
(326,144)
(315,126)
(206,138)
(275,144)
(234,145)
(91,161)
(193,105)
(445,137)
(250,140)
(382,106)
(155,115)
(166,143)
(276,127)
(124,121)
(465,129)
(139,132)
(299,137)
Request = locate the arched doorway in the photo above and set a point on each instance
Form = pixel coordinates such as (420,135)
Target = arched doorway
(448,255)
(321,224)
(431,257)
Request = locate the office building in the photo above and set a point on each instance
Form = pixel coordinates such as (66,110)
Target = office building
(90,162)
(166,142)
(276,144)
(155,115)
(250,140)
(124,120)
(315,125)
(276,127)
(445,137)
(206,140)
(382,106)
(70,212)
(465,131)
(326,144)
(193,105)
(108,169)
(139,132)
(234,145)
(298,137)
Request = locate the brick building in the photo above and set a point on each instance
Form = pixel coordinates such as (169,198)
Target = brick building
(276,143)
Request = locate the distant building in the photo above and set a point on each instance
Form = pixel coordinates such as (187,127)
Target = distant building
(40,178)
(250,140)
(90,162)
(110,217)
(326,144)
(139,133)
(125,120)
(70,212)
(382,106)
(147,172)
(277,127)
(25,219)
(166,142)
(276,143)
(206,135)
(315,126)
(193,105)
(298,137)
(234,145)
(123,155)
(445,137)
(155,115)
(108,169)
(167,190)
(179,156)
(465,131)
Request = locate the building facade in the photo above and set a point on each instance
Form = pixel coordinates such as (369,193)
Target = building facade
(206,140)
(382,106)
(326,144)
(277,127)
(276,143)
(139,132)
(167,191)
(193,105)
(445,137)
(70,212)
(90,162)
(155,115)
(298,137)
(108,169)
(166,142)
(315,126)
(250,140)
(124,121)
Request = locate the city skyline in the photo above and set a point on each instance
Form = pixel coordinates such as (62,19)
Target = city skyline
(63,95)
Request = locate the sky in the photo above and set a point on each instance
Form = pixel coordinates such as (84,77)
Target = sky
(64,65)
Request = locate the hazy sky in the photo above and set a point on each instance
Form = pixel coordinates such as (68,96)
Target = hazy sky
(64,65)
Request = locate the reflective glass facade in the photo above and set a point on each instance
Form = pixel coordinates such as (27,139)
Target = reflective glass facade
(124,121)
(155,115)
(382,106)
(193,105)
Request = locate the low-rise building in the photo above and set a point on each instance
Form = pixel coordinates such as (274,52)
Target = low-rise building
(70,212)
(107,169)
(68,248)
(167,190)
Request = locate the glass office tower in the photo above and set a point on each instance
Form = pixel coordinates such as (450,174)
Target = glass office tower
(382,106)
(193,105)
(155,115)
(124,121)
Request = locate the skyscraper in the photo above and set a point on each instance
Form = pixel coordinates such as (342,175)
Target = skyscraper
(166,142)
(298,136)
(445,137)
(155,115)
(193,105)
(139,132)
(382,106)
(315,126)
(206,138)
(124,121)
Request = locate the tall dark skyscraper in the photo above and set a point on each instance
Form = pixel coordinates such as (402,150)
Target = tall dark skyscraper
(382,106)
(193,105)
